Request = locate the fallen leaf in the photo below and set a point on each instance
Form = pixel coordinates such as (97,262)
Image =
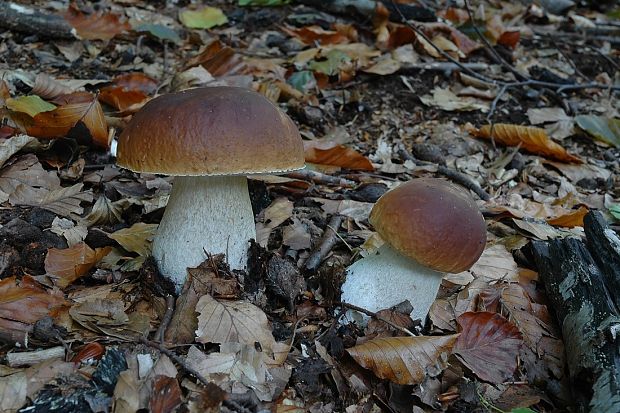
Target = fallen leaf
(530,138)
(31,105)
(570,220)
(165,396)
(26,171)
(127,393)
(57,123)
(517,303)
(97,26)
(488,345)
(159,31)
(63,201)
(106,212)
(331,153)
(602,128)
(49,88)
(315,34)
(223,321)
(136,238)
(445,99)
(205,18)
(263,2)
(275,214)
(404,360)
(74,234)
(128,91)
(218,59)
(23,304)
(99,313)
(10,146)
(69,264)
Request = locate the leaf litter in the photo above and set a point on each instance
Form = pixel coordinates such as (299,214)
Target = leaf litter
(77,230)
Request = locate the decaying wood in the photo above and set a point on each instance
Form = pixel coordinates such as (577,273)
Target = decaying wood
(604,244)
(33,357)
(28,20)
(589,319)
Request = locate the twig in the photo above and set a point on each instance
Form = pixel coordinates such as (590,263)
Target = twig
(29,358)
(454,175)
(375,315)
(159,347)
(440,67)
(165,321)
(499,59)
(329,239)
(320,178)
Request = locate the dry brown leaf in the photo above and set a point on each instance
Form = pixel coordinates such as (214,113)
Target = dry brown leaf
(218,59)
(488,345)
(222,321)
(80,107)
(97,26)
(530,138)
(26,170)
(275,214)
(49,88)
(21,305)
(136,238)
(165,395)
(404,360)
(315,34)
(330,153)
(518,304)
(98,313)
(570,220)
(128,91)
(69,264)
(62,201)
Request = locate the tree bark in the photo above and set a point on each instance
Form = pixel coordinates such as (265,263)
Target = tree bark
(578,289)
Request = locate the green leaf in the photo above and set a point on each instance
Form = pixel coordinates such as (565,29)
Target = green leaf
(160,31)
(522,410)
(334,60)
(601,128)
(614,210)
(204,18)
(302,81)
(31,105)
(263,2)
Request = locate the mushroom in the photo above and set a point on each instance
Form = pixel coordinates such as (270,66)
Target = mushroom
(430,227)
(209,139)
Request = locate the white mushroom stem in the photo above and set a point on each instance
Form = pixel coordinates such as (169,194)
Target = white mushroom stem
(204,213)
(388,278)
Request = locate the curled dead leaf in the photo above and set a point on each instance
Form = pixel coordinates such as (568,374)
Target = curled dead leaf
(329,153)
(404,360)
(530,138)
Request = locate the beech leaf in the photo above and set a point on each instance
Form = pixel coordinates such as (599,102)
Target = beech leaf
(97,26)
(488,345)
(330,153)
(31,105)
(136,238)
(205,18)
(532,139)
(223,321)
(69,264)
(404,360)
(23,304)
(601,128)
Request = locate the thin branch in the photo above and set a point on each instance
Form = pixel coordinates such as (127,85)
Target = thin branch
(499,59)
(159,347)
(452,174)
(159,335)
(377,316)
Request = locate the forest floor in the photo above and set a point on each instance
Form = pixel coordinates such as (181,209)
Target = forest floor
(86,324)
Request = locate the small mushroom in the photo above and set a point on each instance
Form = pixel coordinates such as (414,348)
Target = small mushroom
(209,139)
(430,227)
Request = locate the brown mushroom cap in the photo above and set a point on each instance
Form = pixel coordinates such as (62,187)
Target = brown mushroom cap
(210,131)
(433,222)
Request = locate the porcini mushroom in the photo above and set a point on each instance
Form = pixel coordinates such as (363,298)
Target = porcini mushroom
(430,227)
(209,139)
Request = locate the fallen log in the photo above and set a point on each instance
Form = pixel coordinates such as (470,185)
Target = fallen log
(20,18)
(578,288)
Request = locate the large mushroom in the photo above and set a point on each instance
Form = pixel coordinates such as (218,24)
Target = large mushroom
(430,227)
(209,139)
